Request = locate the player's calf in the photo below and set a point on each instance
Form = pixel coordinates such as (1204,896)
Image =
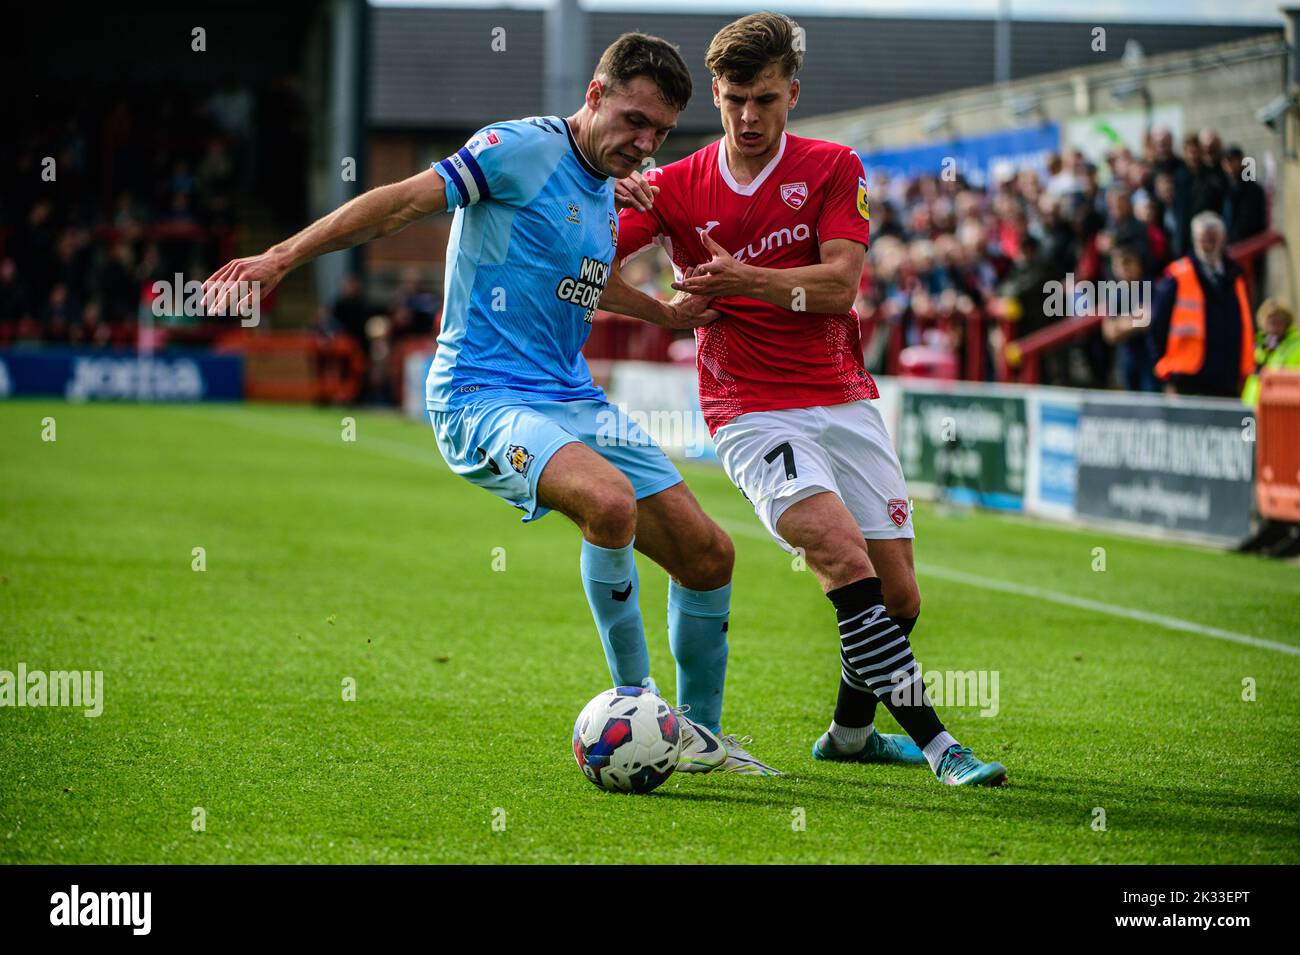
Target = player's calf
(674,532)
(597,497)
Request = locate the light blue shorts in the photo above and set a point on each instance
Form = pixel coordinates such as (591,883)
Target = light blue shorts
(503,446)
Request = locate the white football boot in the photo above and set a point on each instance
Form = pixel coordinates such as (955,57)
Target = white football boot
(702,749)
(740,761)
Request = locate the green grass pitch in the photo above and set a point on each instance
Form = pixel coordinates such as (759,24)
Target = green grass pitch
(369,560)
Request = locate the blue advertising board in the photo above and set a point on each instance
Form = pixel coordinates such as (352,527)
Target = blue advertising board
(87,374)
(1058,470)
(976,157)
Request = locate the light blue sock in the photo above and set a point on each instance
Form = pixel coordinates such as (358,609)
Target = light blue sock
(697,633)
(613,591)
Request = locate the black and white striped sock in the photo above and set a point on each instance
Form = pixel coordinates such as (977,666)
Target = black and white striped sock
(876,656)
(856,704)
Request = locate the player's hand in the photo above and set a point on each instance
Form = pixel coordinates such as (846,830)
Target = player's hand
(690,311)
(230,291)
(721,275)
(635,192)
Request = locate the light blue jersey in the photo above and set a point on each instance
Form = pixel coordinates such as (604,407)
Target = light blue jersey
(529,255)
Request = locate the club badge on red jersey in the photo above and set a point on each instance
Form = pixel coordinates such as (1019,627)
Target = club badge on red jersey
(898,511)
(794,194)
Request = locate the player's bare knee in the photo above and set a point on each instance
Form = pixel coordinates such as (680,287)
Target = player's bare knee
(907,604)
(840,566)
(716,561)
(706,561)
(610,514)
(902,596)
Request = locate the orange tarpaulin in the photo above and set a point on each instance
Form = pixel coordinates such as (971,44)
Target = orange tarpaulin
(1277,484)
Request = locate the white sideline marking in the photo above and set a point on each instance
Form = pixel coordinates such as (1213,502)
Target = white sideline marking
(1069,600)
(1128,613)
(402,451)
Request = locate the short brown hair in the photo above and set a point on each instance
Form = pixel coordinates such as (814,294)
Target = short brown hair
(1271,307)
(639,54)
(742,50)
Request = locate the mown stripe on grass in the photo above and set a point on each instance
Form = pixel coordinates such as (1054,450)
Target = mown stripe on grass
(398,450)
(1069,600)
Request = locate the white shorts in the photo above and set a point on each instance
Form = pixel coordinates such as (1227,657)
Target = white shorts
(777,458)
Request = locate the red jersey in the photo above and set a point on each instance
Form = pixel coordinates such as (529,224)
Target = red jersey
(760,356)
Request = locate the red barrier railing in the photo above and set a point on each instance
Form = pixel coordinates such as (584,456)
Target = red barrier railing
(975,323)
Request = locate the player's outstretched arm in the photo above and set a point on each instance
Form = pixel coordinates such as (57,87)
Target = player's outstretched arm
(829,286)
(381,211)
(684,311)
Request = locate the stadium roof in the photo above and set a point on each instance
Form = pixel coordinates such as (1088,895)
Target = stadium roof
(433,68)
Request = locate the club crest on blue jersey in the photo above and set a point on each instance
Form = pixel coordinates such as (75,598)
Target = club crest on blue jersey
(519,458)
(613,229)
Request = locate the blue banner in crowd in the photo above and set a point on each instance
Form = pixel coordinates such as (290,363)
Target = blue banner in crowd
(975,158)
(85,374)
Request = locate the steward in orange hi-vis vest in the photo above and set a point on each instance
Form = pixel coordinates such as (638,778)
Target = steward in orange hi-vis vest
(1184,355)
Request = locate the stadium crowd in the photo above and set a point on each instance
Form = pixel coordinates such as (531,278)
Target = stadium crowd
(146,188)
(943,249)
(157,188)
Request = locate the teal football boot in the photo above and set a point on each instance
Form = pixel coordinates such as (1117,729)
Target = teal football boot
(960,767)
(879,748)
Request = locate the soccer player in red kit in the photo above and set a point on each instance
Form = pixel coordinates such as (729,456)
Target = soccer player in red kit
(774,228)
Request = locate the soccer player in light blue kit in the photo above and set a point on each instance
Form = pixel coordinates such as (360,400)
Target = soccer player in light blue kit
(510,397)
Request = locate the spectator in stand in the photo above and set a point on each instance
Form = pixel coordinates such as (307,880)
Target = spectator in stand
(885,220)
(416,307)
(1277,347)
(1169,213)
(216,181)
(1054,232)
(1144,210)
(1026,286)
(118,292)
(1245,207)
(1201,322)
(61,312)
(91,330)
(1123,228)
(1245,210)
(351,310)
(1209,182)
(1127,331)
(1066,176)
(16,319)
(1176,196)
